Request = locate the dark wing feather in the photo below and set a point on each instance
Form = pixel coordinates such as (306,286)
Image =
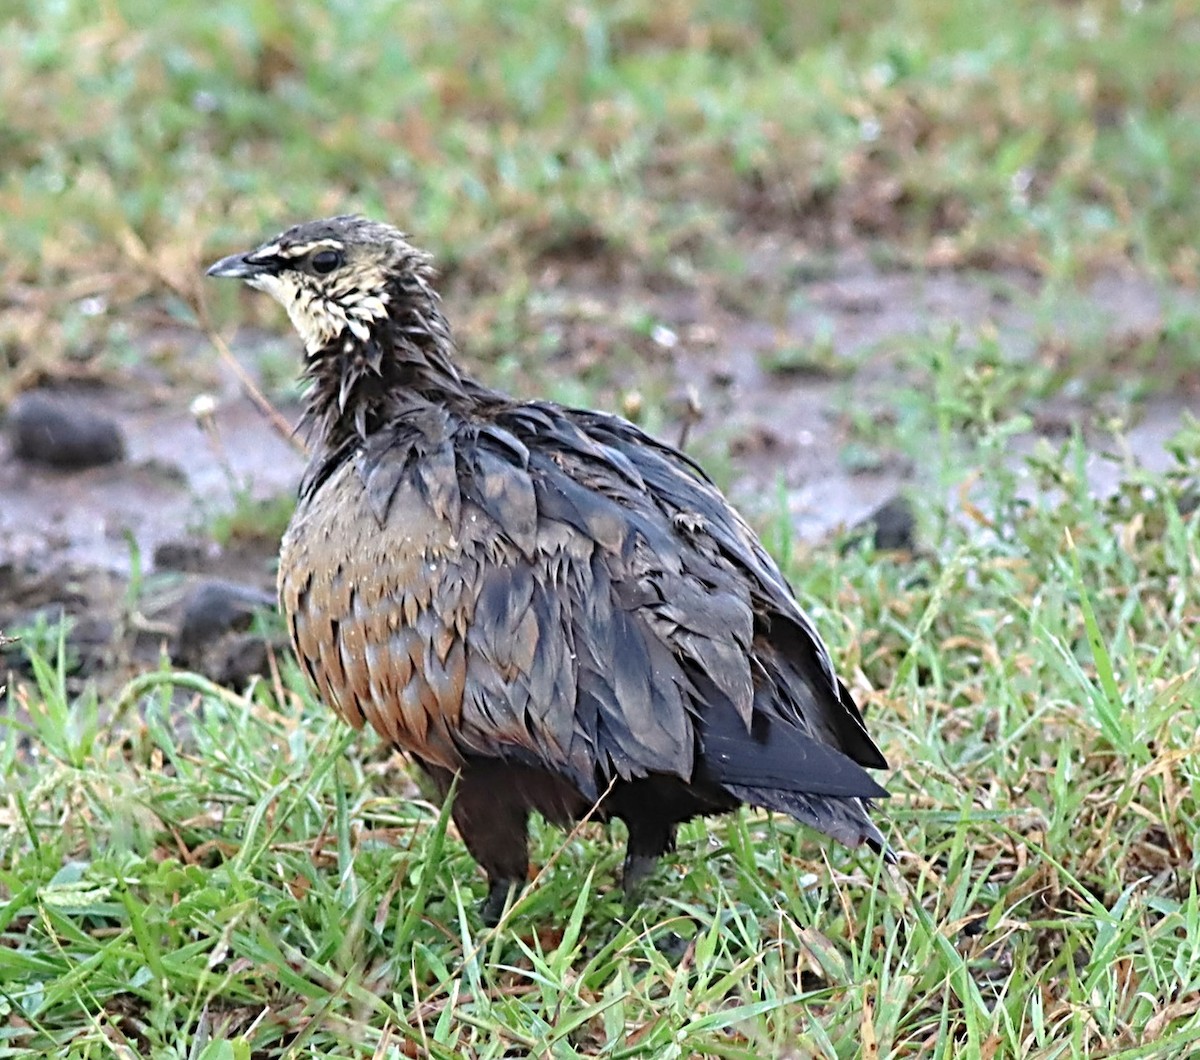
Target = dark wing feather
(778,756)
(560,672)
(688,496)
(720,616)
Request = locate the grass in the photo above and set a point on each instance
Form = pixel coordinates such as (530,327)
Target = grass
(137,144)
(251,520)
(192,872)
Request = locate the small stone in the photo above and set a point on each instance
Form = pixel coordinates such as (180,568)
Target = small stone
(239,659)
(214,608)
(892,526)
(59,432)
(663,336)
(182,554)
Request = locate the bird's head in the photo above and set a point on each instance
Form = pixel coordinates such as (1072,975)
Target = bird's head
(336,277)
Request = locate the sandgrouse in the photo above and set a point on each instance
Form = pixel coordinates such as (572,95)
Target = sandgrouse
(543,600)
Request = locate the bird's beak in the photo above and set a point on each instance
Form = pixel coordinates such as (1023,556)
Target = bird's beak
(237,267)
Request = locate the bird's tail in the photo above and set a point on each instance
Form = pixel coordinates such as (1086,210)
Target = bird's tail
(845,819)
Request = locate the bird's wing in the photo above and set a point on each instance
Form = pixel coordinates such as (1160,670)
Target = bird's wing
(563,663)
(787,641)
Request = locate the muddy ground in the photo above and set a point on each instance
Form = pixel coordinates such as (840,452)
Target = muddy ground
(128,550)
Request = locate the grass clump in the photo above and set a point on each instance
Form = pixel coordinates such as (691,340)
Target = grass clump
(251,520)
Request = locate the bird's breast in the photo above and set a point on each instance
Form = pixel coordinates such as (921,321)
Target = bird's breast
(378,612)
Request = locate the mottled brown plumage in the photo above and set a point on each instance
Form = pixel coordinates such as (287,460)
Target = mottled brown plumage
(543,600)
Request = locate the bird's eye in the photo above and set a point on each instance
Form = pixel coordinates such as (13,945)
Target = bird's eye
(326,260)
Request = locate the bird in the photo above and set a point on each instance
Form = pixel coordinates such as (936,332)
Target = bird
(544,607)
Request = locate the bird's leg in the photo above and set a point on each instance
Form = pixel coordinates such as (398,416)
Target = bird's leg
(492,818)
(649,839)
(499,891)
(634,870)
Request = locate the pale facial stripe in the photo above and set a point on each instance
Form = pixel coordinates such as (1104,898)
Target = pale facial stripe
(294,250)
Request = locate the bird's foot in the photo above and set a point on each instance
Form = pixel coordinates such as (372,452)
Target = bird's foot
(493,906)
(672,946)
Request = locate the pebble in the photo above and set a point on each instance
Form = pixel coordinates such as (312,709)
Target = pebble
(216,607)
(892,526)
(59,432)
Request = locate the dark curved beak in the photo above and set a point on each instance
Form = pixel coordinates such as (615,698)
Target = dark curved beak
(236,267)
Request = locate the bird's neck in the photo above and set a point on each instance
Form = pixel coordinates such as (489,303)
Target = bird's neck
(360,384)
